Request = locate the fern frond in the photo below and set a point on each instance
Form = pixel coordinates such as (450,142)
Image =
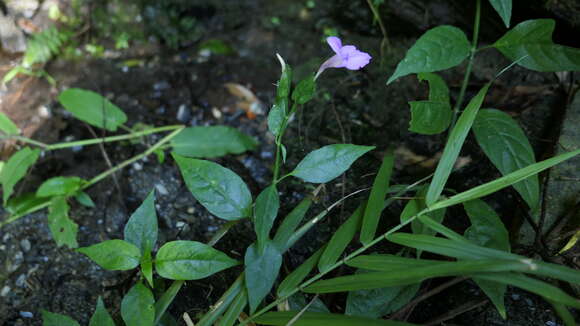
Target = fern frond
(42,46)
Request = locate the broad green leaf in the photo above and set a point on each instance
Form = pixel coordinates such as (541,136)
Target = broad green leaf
(398,277)
(59,186)
(166,299)
(146,263)
(304,91)
(465,250)
(63,229)
(538,287)
(290,223)
(262,268)
(7,126)
(137,307)
(379,302)
(141,229)
(328,162)
(115,255)
(487,230)
(298,301)
(92,108)
(190,260)
(54,319)
(433,116)
(101,316)
(532,39)
(508,148)
(504,9)
(212,141)
(20,204)
(218,189)
(235,309)
(439,48)
(84,199)
(453,146)
(265,212)
(299,274)
(277,115)
(15,169)
(374,207)
(319,319)
(340,239)
(505,181)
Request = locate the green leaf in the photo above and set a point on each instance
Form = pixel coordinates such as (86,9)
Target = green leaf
(505,181)
(84,199)
(59,186)
(304,91)
(374,207)
(262,268)
(7,126)
(340,239)
(433,116)
(328,162)
(212,141)
(285,82)
(398,277)
(265,212)
(466,250)
(416,205)
(63,229)
(540,288)
(290,223)
(379,302)
(137,307)
(532,39)
(92,108)
(453,146)
(216,46)
(226,300)
(508,148)
(101,316)
(564,313)
(190,260)
(388,262)
(20,204)
(277,115)
(318,319)
(166,299)
(115,255)
(15,169)
(147,266)
(439,48)
(141,229)
(298,301)
(218,189)
(235,309)
(504,9)
(487,230)
(299,274)
(54,319)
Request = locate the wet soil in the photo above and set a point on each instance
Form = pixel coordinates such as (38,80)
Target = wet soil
(172,86)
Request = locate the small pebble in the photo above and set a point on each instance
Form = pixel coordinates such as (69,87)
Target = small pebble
(162,85)
(5,290)
(21,281)
(179,224)
(161,189)
(190,210)
(137,166)
(515,296)
(25,245)
(6,237)
(183,113)
(26,314)
(551,323)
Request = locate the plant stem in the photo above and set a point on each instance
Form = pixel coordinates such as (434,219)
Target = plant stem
(385,41)
(469,64)
(26,140)
(279,143)
(107,173)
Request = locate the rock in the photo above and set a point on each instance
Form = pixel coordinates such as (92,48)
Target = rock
(26,8)
(25,245)
(11,37)
(183,113)
(5,290)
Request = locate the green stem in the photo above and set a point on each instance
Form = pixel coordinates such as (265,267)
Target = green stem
(105,174)
(279,143)
(469,64)
(26,140)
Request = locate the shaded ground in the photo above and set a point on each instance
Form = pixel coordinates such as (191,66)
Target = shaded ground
(183,86)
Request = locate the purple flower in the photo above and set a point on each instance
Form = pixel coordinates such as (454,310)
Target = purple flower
(346,57)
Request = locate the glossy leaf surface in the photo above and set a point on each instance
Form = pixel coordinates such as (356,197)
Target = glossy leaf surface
(101,316)
(141,229)
(290,223)
(7,126)
(113,254)
(504,9)
(92,108)
(299,274)
(265,212)
(328,162)
(190,260)
(439,48)
(505,144)
(318,319)
(211,141)
(340,239)
(59,186)
(15,169)
(434,115)
(262,268)
(63,229)
(54,319)
(137,307)
(304,91)
(218,189)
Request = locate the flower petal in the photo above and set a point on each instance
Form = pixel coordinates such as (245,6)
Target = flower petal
(357,60)
(335,43)
(335,61)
